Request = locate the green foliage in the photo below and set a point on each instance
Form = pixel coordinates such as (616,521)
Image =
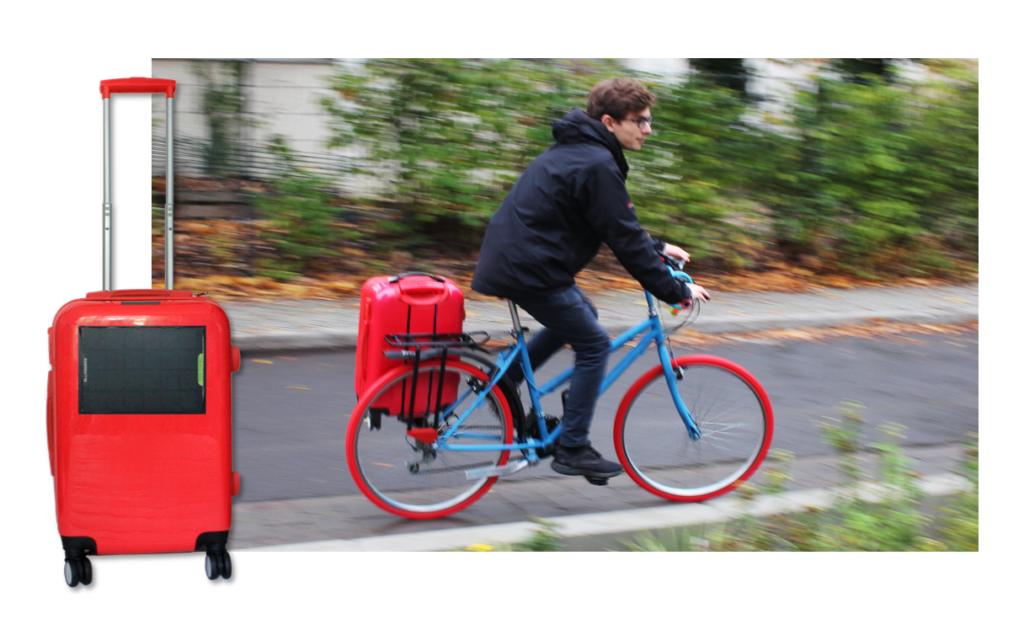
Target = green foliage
(670,539)
(959,527)
(222,105)
(891,524)
(687,182)
(876,175)
(545,538)
(844,436)
(887,518)
(449,137)
(302,218)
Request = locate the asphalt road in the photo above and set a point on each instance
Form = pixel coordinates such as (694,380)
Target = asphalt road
(291,410)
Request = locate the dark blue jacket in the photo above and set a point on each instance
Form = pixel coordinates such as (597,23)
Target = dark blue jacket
(568,201)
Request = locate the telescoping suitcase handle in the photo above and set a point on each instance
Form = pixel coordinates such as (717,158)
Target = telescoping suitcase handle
(139,85)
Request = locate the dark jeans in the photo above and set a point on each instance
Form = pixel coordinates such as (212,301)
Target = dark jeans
(569,317)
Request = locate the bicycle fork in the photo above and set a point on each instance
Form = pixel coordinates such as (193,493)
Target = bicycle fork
(672,374)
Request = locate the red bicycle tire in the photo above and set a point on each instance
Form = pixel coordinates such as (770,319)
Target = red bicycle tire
(357,419)
(656,371)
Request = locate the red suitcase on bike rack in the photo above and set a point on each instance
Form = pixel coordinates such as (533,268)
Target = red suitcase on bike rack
(408,304)
(139,408)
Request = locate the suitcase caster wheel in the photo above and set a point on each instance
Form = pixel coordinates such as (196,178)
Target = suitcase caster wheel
(71,573)
(598,481)
(225,565)
(77,571)
(218,565)
(212,566)
(86,571)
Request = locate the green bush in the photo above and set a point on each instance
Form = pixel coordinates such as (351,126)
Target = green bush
(891,520)
(303,220)
(960,526)
(877,176)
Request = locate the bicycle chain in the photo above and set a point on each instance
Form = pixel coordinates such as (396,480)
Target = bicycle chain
(465,467)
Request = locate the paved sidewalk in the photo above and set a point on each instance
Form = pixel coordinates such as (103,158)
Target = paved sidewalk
(332,324)
(602,531)
(353,523)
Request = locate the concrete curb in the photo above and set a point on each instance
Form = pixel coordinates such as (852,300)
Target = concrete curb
(619,523)
(346,339)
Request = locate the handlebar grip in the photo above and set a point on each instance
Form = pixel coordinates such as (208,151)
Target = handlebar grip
(137,85)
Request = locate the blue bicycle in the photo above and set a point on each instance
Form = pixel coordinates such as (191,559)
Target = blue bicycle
(432,436)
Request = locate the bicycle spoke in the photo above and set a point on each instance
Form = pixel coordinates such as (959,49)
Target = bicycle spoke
(413,478)
(729,413)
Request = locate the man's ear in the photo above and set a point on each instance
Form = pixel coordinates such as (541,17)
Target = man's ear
(607,120)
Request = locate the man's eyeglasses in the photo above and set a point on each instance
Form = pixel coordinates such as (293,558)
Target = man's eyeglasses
(640,121)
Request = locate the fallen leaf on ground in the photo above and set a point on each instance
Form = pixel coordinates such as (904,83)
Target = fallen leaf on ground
(200,242)
(873,331)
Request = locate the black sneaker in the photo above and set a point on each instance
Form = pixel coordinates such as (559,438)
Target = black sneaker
(584,461)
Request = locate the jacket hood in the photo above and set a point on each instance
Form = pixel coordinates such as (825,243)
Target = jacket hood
(577,127)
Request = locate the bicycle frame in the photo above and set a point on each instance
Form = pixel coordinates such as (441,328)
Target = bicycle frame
(649,331)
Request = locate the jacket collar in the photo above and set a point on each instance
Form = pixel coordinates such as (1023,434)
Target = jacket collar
(576,126)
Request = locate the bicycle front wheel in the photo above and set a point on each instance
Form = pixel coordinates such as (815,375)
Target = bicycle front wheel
(731,410)
(407,476)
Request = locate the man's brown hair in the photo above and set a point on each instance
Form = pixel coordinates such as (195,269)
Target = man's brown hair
(618,97)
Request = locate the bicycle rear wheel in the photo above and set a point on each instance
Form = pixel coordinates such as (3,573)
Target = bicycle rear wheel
(731,410)
(404,475)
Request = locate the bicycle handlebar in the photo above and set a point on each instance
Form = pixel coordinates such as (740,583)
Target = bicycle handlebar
(673,263)
(676,268)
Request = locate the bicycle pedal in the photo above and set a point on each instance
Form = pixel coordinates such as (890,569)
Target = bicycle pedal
(597,481)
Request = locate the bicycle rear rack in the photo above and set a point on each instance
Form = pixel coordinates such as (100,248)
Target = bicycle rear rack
(429,340)
(412,346)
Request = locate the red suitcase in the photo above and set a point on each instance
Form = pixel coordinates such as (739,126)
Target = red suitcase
(139,409)
(407,304)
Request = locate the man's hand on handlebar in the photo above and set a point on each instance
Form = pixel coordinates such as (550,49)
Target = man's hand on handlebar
(699,292)
(672,251)
(676,252)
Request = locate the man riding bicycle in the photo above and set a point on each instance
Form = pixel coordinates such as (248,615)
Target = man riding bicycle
(568,201)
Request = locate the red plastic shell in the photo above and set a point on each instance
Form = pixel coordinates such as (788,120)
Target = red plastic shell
(411,305)
(147,483)
(137,85)
(424,435)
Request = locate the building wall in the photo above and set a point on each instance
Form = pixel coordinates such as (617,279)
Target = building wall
(282,98)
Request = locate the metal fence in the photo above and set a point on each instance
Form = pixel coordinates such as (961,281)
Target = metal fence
(244,159)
